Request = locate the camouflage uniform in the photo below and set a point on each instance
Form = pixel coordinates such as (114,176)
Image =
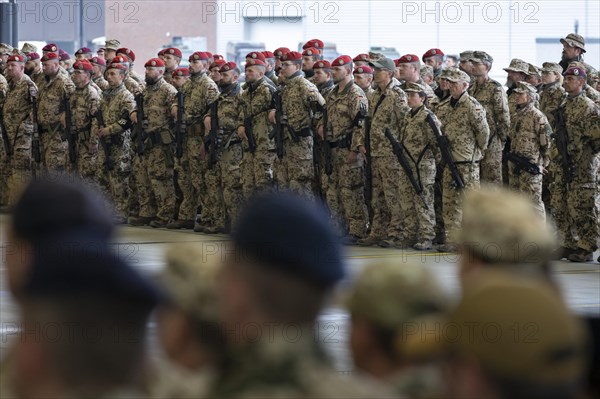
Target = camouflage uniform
(224,180)
(592,94)
(296,169)
(155,184)
(257,168)
(387,108)
(38,77)
(419,142)
(84,104)
(54,146)
(492,97)
(101,82)
(4,168)
(530,136)
(201,91)
(116,105)
(551,98)
(464,123)
(575,205)
(19,127)
(346,111)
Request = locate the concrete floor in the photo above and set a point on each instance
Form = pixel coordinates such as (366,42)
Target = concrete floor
(145,247)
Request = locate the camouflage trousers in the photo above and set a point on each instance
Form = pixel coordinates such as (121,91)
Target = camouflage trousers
(198,170)
(189,200)
(224,187)
(18,170)
(159,162)
(54,151)
(575,211)
(87,161)
(387,214)
(491,167)
(257,172)
(346,195)
(5,172)
(528,184)
(116,180)
(452,196)
(295,171)
(419,213)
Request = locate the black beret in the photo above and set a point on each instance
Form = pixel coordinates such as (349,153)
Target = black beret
(291,234)
(74,265)
(52,206)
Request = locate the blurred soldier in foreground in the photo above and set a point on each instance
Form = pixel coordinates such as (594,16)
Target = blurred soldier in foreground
(391,306)
(286,261)
(502,230)
(535,350)
(187,322)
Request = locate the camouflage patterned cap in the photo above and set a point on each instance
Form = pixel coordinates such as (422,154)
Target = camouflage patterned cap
(112,44)
(457,75)
(466,56)
(517,328)
(447,72)
(574,40)
(481,57)
(189,279)
(517,65)
(533,70)
(389,294)
(383,63)
(29,48)
(524,87)
(426,70)
(551,67)
(502,226)
(5,49)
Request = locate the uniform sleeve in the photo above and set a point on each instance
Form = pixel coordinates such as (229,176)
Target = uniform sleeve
(480,126)
(593,128)
(127,106)
(501,114)
(544,133)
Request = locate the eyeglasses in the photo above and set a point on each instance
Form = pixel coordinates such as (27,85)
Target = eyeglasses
(287,64)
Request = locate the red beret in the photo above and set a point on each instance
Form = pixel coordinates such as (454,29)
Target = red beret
(257,55)
(432,52)
(83,50)
(252,62)
(161,52)
(217,64)
(315,43)
(181,72)
(50,47)
(173,51)
(281,51)
(311,51)
(98,61)
(322,65)
(361,57)
(408,58)
(15,58)
(125,51)
(155,63)
(228,66)
(119,60)
(50,57)
(200,55)
(83,65)
(116,65)
(342,60)
(268,54)
(32,56)
(217,57)
(64,56)
(292,56)
(363,69)
(210,55)
(575,71)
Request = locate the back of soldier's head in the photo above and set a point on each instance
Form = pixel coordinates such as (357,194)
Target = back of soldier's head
(289,254)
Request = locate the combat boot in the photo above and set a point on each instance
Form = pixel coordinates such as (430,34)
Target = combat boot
(447,248)
(214,230)
(581,255)
(139,220)
(158,223)
(424,245)
(181,224)
(368,241)
(562,252)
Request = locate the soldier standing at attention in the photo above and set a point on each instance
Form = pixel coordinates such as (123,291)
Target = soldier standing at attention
(579,230)
(172,58)
(346,109)
(310,55)
(552,94)
(464,123)
(85,101)
(490,94)
(387,109)
(300,101)
(529,141)
(99,66)
(363,78)
(17,110)
(33,68)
